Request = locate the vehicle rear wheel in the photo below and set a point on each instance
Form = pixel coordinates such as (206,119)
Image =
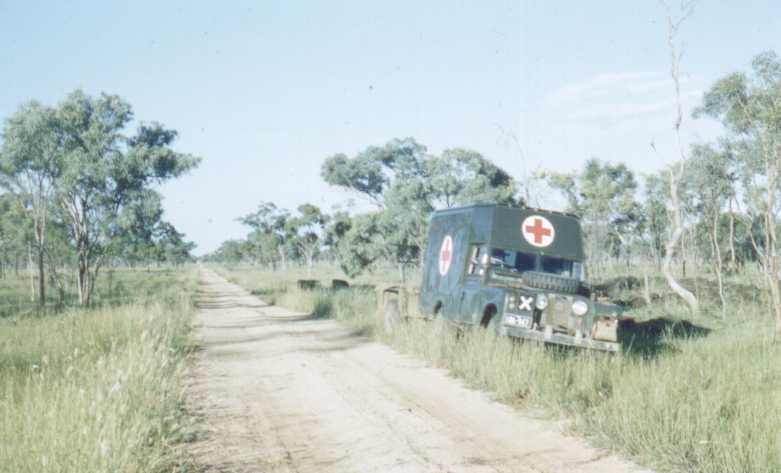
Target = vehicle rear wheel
(391,315)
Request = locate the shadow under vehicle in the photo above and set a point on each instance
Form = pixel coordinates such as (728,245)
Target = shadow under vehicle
(516,271)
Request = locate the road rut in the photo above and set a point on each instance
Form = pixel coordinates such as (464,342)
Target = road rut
(279,391)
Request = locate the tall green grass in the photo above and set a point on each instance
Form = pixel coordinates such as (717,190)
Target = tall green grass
(695,403)
(97,390)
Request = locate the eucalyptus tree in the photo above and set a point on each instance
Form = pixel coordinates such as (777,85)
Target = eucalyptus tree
(405,184)
(604,196)
(230,251)
(712,181)
(749,106)
(103,172)
(137,226)
(461,177)
(263,248)
(269,234)
(676,173)
(30,165)
(172,246)
(305,231)
(359,247)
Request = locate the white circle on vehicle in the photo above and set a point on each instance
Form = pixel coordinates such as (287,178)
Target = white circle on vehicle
(445,255)
(538,231)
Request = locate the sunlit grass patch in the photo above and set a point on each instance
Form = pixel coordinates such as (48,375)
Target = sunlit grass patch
(96,390)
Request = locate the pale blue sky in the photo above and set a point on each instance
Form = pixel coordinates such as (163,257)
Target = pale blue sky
(264,91)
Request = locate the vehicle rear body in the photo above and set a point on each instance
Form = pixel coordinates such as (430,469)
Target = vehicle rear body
(519,271)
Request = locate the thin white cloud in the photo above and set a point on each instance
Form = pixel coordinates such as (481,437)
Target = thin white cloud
(601,85)
(612,112)
(608,98)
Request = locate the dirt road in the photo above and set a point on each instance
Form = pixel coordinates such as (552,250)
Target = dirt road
(277,391)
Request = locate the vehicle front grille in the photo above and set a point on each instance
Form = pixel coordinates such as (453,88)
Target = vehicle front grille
(551,282)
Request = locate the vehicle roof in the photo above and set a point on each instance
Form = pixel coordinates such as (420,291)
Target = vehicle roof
(524,208)
(500,226)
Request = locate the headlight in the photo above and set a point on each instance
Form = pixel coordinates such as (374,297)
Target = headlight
(542,301)
(511,302)
(579,308)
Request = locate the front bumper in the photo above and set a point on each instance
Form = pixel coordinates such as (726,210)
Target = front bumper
(563,339)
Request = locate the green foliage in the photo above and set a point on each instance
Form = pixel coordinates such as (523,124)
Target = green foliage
(462,177)
(15,232)
(73,165)
(230,251)
(358,247)
(604,196)
(407,184)
(304,231)
(361,173)
(750,108)
(268,240)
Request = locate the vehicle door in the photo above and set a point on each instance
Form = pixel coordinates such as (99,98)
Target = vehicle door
(473,284)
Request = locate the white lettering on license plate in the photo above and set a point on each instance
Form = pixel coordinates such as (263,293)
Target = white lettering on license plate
(523,322)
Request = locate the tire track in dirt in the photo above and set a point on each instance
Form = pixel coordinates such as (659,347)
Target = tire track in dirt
(278,391)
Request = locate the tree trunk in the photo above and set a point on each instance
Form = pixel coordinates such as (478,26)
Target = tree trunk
(32,271)
(84,282)
(41,279)
(718,264)
(773,265)
(675,212)
(733,263)
(675,206)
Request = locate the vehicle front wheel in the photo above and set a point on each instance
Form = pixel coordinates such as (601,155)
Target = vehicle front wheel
(491,320)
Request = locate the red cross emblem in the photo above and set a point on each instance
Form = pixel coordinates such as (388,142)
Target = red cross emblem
(538,231)
(445,255)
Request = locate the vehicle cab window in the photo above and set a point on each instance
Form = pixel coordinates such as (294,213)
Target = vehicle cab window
(562,267)
(515,261)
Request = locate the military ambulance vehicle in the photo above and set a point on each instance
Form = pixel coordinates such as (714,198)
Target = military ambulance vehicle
(516,271)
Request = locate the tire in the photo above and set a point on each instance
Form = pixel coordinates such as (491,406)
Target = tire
(391,315)
(491,320)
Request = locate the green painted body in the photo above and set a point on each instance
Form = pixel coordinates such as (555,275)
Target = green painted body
(473,289)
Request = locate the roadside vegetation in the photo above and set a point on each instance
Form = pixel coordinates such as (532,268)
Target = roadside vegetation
(99,389)
(697,396)
(95,298)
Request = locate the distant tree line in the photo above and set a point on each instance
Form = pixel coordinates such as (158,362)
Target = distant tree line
(78,191)
(402,181)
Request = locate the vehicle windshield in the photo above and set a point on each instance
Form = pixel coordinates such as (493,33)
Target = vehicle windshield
(517,261)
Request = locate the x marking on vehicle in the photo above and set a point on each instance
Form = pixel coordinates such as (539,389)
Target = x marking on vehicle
(526,303)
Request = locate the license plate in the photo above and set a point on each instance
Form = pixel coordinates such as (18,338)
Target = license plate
(518,321)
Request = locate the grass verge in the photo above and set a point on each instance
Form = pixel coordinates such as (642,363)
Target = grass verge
(97,390)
